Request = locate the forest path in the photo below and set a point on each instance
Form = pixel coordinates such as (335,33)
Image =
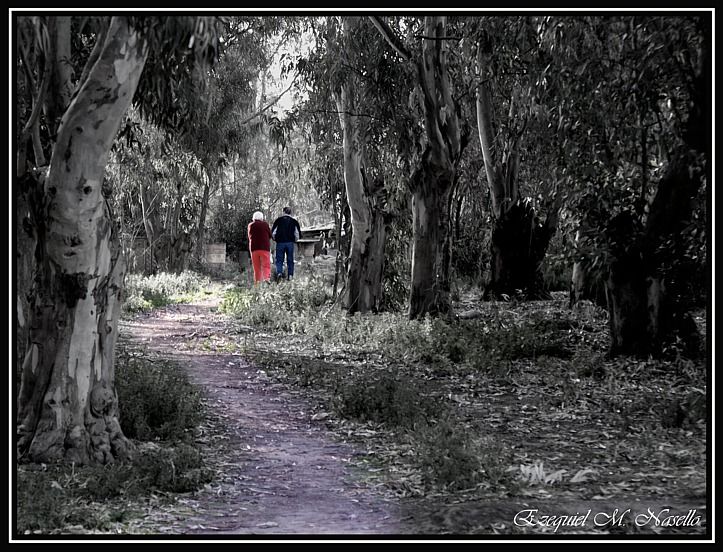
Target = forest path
(280,471)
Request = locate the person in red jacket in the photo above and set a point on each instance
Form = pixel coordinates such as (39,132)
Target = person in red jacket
(260,247)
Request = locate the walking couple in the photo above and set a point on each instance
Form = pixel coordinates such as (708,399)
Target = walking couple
(285,232)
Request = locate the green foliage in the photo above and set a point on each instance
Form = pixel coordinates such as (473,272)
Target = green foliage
(145,292)
(386,399)
(181,51)
(288,306)
(155,398)
(589,365)
(176,469)
(397,264)
(449,457)
(476,345)
(453,458)
(43,505)
(61,498)
(687,410)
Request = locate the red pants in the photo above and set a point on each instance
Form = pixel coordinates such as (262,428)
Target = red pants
(262,265)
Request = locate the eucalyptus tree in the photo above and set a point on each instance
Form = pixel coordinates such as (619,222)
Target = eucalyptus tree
(351,114)
(508,78)
(364,193)
(426,53)
(67,406)
(636,111)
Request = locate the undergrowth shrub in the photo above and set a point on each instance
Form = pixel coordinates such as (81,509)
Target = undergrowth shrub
(286,306)
(448,457)
(145,292)
(156,399)
(177,469)
(42,503)
(453,457)
(384,398)
(56,498)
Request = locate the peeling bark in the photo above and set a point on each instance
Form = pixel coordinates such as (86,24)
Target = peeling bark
(366,262)
(433,180)
(430,286)
(67,406)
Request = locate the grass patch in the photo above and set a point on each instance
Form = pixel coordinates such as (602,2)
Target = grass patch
(386,399)
(156,399)
(54,499)
(143,293)
(157,405)
(476,407)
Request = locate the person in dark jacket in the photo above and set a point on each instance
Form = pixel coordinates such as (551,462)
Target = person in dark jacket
(286,232)
(259,247)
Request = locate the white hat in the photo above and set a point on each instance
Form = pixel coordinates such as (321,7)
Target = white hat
(258,215)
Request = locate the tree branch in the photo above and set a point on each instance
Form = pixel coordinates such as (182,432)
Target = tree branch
(30,128)
(391,37)
(329,112)
(94,54)
(425,37)
(22,47)
(270,105)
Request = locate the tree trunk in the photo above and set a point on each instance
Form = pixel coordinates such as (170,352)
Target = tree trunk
(430,286)
(647,283)
(67,407)
(61,88)
(366,267)
(25,244)
(179,240)
(519,241)
(433,179)
(201,232)
(366,263)
(518,246)
(149,226)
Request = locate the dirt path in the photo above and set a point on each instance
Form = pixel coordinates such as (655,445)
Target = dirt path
(281,471)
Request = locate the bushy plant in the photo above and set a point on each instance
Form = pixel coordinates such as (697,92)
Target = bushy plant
(385,399)
(143,292)
(61,498)
(287,306)
(175,469)
(42,502)
(156,400)
(448,458)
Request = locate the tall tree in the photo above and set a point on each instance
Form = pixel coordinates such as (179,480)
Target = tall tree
(519,239)
(434,177)
(67,406)
(364,193)
(646,292)
(640,156)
